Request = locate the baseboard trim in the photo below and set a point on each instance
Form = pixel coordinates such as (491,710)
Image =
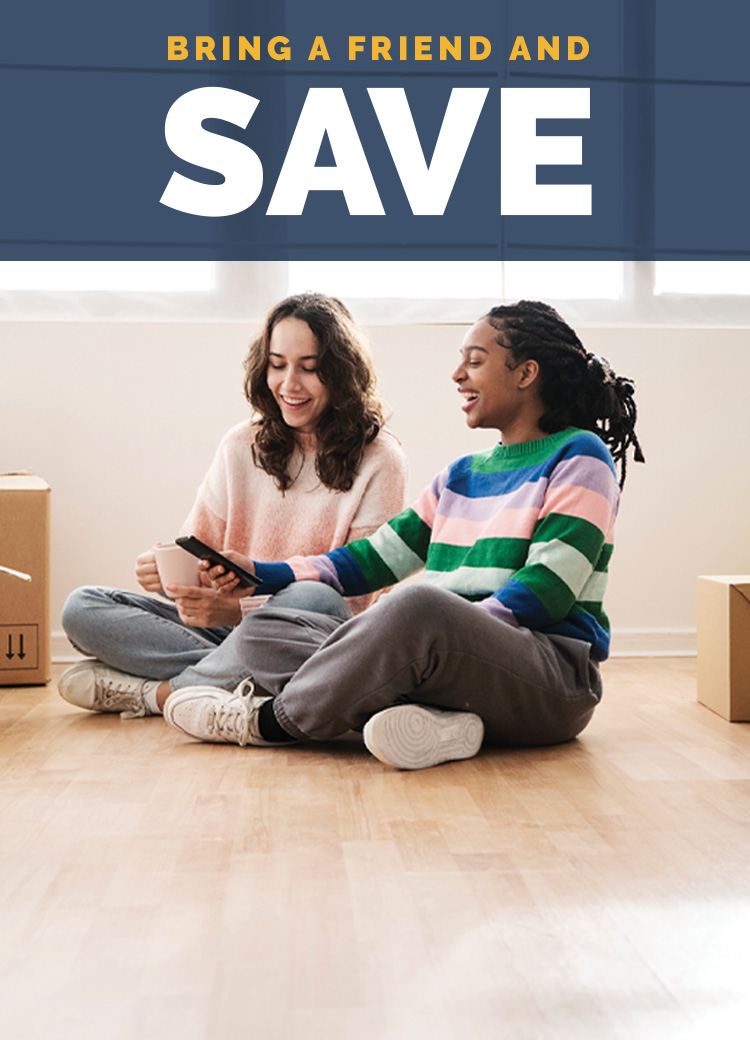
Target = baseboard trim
(654,642)
(626,642)
(62,651)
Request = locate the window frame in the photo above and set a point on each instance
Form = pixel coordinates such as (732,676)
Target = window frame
(637,307)
(246,290)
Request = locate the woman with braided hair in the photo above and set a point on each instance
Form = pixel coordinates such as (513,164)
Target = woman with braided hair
(502,639)
(577,388)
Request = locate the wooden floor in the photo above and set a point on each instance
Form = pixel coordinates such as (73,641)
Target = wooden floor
(154,887)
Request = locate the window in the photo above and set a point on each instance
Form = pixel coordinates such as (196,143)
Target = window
(139,290)
(576,280)
(681,293)
(397,279)
(445,279)
(112,276)
(718,277)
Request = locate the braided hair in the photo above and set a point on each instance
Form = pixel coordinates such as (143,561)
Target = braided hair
(577,388)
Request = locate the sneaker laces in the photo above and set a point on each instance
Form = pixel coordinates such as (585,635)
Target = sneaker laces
(230,722)
(110,692)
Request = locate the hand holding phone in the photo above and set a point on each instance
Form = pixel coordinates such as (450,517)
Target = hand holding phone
(205,552)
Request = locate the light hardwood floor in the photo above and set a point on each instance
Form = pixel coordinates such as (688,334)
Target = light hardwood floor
(156,887)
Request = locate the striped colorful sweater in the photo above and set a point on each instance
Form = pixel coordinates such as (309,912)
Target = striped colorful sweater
(523,530)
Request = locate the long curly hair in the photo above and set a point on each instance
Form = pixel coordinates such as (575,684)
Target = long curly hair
(354,416)
(577,388)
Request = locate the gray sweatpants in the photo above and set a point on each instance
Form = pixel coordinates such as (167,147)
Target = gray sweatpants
(425,645)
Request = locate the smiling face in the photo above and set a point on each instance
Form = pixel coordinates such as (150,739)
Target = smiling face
(292,375)
(498,392)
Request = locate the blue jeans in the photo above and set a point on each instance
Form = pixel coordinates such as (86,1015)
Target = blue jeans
(144,636)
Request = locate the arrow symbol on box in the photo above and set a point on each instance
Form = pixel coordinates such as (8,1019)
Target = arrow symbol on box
(21,654)
(10,654)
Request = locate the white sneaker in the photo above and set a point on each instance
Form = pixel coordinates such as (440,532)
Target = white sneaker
(411,736)
(210,714)
(97,687)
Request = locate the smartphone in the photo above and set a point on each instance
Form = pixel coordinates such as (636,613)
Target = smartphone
(205,552)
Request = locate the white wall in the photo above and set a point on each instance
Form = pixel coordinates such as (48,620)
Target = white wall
(122,420)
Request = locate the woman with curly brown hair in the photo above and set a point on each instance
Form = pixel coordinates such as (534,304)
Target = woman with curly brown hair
(312,469)
(347,413)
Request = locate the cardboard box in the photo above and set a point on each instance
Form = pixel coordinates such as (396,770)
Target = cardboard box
(724,645)
(24,603)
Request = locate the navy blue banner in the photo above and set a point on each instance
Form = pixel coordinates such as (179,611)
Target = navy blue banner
(479,130)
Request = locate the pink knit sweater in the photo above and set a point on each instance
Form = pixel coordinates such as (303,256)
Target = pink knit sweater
(239,506)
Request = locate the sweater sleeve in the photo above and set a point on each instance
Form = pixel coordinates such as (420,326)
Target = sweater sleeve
(397,549)
(570,547)
(384,496)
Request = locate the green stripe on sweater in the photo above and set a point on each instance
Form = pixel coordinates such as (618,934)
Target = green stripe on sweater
(412,530)
(584,536)
(487,552)
(551,590)
(395,553)
(377,574)
(505,458)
